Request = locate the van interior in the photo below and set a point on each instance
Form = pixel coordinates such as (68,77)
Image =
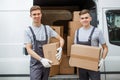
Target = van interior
(59,12)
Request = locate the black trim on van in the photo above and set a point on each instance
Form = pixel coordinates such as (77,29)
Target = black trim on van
(14,75)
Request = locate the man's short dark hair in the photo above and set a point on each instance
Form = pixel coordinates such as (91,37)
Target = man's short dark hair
(35,7)
(84,11)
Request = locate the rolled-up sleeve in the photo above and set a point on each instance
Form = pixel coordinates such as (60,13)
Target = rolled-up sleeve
(51,32)
(101,38)
(27,38)
(75,41)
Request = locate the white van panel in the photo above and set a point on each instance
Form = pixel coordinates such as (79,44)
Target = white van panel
(11,51)
(108,3)
(12,59)
(113,58)
(14,78)
(14,65)
(112,64)
(15,4)
(12,24)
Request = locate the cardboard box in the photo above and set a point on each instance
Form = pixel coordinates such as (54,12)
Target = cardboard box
(54,70)
(73,26)
(53,40)
(76,16)
(65,68)
(50,51)
(58,29)
(70,41)
(86,57)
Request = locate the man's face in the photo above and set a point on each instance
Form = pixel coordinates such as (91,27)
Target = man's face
(85,19)
(36,16)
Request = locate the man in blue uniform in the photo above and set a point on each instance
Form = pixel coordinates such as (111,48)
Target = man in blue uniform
(36,36)
(89,35)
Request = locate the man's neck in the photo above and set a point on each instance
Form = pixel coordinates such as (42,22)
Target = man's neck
(87,27)
(36,24)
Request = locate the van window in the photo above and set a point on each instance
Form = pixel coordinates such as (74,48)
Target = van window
(113,24)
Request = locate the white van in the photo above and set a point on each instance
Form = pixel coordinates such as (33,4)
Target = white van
(14,18)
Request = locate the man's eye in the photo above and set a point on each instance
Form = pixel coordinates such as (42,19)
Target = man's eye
(85,18)
(82,18)
(36,14)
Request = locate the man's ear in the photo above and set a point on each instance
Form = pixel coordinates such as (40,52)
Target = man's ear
(90,18)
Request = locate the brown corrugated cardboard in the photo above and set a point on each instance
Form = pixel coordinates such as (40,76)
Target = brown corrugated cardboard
(76,16)
(86,57)
(69,43)
(50,51)
(53,40)
(65,68)
(58,29)
(73,26)
(54,70)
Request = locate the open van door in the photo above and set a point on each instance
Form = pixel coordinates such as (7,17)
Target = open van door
(109,22)
(14,18)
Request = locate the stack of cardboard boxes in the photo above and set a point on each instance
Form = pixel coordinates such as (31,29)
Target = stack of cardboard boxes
(63,66)
(72,26)
(51,49)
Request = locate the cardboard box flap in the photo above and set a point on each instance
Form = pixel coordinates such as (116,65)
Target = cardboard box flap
(84,50)
(85,64)
(85,57)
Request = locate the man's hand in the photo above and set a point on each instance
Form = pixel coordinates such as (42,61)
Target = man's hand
(101,63)
(45,62)
(59,54)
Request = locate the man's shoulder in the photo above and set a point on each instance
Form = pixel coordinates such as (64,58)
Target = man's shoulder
(97,29)
(45,25)
(80,28)
(27,28)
